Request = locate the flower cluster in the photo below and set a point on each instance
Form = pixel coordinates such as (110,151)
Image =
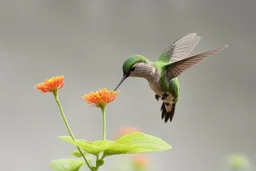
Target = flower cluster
(97,99)
(126,134)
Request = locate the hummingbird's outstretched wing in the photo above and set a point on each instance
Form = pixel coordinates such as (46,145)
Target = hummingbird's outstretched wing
(176,68)
(180,49)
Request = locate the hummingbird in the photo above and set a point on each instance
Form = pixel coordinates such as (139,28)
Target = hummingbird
(162,75)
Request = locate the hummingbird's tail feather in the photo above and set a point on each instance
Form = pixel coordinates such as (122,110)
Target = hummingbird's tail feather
(168,111)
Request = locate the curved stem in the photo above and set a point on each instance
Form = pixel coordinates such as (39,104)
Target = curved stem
(103,110)
(103,156)
(97,165)
(67,125)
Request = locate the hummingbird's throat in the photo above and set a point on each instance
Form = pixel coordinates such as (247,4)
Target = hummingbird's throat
(142,70)
(145,70)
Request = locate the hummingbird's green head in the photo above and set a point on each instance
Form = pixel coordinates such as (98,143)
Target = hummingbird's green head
(128,65)
(130,68)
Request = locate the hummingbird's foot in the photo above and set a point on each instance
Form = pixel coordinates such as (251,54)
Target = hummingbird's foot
(165,95)
(157,97)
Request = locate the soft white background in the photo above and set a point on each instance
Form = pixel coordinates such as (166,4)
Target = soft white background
(88,41)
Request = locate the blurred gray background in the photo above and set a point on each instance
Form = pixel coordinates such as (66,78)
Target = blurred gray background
(87,42)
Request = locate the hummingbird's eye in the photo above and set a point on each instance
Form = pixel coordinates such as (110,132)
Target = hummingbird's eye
(132,69)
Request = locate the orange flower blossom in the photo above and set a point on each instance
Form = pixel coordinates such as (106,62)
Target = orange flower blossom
(51,85)
(100,98)
(126,130)
(141,161)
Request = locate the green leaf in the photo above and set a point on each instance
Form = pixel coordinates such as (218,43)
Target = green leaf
(66,164)
(137,142)
(132,143)
(96,147)
(140,143)
(90,147)
(78,154)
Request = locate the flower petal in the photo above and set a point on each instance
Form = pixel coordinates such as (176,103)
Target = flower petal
(50,85)
(100,97)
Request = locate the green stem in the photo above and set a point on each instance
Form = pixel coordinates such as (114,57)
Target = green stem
(103,109)
(67,125)
(103,156)
(97,161)
(97,164)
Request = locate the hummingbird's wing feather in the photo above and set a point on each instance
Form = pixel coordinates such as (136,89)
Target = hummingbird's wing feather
(176,68)
(181,48)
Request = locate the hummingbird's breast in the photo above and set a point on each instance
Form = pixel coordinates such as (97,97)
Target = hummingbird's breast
(155,86)
(152,75)
(154,82)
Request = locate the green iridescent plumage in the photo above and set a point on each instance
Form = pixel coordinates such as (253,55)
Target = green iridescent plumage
(132,60)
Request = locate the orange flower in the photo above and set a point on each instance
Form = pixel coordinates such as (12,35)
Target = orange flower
(126,130)
(140,161)
(51,85)
(100,98)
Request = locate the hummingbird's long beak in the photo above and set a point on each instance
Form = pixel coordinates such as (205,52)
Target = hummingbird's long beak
(124,77)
